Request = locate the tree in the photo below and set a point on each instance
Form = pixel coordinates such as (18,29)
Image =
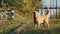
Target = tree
(24,7)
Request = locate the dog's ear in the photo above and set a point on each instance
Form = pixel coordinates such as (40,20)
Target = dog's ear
(33,12)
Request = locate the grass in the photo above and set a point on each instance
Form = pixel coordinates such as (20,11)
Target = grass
(7,28)
(53,29)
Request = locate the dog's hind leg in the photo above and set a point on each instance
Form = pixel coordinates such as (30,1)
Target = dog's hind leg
(47,22)
(44,26)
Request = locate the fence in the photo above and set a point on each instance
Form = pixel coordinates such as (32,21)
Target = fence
(6,15)
(53,5)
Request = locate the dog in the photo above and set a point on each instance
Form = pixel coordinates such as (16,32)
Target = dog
(38,19)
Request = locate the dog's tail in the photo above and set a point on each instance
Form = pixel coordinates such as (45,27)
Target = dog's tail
(48,12)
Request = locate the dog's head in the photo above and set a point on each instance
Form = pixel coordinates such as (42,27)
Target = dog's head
(37,9)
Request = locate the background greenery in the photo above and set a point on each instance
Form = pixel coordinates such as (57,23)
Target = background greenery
(23,13)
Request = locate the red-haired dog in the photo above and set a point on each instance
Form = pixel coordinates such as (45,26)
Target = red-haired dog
(38,19)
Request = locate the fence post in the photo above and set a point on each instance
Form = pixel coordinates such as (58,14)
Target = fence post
(56,9)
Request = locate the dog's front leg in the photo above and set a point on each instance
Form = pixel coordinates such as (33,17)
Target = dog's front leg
(35,26)
(38,26)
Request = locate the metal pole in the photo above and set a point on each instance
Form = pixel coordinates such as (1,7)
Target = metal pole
(41,12)
(45,6)
(50,9)
(53,6)
(56,9)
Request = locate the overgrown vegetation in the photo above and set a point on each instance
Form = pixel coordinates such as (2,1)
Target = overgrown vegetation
(23,12)
(22,7)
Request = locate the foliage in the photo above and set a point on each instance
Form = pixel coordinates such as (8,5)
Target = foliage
(22,7)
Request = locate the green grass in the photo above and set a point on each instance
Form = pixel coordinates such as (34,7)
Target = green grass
(53,29)
(7,28)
